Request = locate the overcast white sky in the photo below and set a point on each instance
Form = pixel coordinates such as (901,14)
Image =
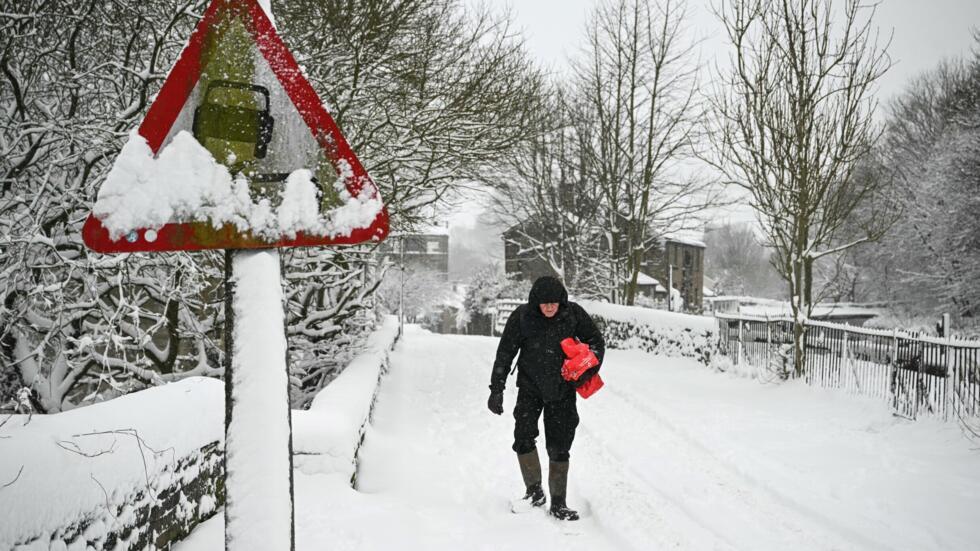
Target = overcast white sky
(923,32)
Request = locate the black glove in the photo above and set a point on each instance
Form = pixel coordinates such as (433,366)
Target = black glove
(584,378)
(496,402)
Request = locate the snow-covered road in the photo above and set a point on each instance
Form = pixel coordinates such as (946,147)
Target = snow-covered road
(669,455)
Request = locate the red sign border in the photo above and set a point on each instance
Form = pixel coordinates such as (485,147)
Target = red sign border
(168,104)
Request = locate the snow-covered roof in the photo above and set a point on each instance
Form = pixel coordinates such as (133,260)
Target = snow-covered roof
(433,229)
(644,279)
(707,292)
(422,231)
(755,306)
(686,241)
(684,238)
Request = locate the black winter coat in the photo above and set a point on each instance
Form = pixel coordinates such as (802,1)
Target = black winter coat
(539,341)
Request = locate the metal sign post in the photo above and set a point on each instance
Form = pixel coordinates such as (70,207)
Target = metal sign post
(259,509)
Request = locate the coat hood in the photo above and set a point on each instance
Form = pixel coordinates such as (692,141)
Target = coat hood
(547,289)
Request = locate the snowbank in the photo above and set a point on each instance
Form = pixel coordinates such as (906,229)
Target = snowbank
(124,474)
(327,437)
(657,331)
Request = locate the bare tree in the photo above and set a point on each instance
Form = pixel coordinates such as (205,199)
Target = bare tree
(551,207)
(930,260)
(794,116)
(593,194)
(430,95)
(638,84)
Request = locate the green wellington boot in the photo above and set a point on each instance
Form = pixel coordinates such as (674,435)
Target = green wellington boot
(557,484)
(531,473)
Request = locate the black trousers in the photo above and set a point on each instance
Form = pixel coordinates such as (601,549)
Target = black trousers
(560,420)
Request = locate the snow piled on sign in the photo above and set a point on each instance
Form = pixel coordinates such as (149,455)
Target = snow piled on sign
(185,184)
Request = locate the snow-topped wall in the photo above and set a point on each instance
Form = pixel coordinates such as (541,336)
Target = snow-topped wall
(327,437)
(140,471)
(656,331)
(136,472)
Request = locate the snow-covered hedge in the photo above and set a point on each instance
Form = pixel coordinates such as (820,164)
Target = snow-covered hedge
(136,472)
(655,331)
(327,437)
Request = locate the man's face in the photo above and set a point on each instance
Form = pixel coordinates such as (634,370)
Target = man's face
(549,309)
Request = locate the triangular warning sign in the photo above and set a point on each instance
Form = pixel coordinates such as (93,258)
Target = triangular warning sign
(287,176)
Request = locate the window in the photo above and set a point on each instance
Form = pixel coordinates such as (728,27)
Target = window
(432,246)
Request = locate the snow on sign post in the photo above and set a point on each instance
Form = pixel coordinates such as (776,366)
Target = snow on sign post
(237,152)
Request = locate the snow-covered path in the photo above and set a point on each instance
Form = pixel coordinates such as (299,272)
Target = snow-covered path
(668,456)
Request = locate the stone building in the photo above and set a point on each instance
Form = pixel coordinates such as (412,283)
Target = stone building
(675,259)
(427,250)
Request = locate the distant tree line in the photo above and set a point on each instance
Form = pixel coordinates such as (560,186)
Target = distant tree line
(596,191)
(929,158)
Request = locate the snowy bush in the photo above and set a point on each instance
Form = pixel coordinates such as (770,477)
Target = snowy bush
(330,311)
(76,327)
(136,472)
(655,331)
(487,285)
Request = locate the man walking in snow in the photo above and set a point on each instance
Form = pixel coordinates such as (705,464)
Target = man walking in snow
(536,330)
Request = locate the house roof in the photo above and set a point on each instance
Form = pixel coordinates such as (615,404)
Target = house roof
(644,279)
(423,231)
(685,241)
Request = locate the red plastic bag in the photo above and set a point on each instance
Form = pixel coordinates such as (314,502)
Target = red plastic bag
(590,387)
(580,359)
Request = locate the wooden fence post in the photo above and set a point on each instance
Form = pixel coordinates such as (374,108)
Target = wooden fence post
(950,387)
(893,367)
(768,344)
(738,358)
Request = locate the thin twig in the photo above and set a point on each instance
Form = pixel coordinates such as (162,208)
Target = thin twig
(74,448)
(139,439)
(105,493)
(15,478)
(141,444)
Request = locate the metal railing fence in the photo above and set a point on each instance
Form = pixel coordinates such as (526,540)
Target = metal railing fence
(916,374)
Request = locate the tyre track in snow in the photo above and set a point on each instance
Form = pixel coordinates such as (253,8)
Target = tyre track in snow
(738,509)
